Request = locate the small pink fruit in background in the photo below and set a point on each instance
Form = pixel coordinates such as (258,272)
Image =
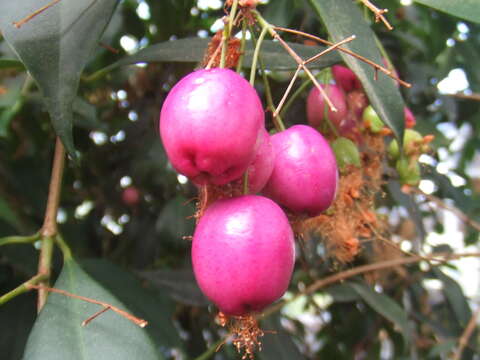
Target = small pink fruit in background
(410,121)
(209,125)
(346,78)
(305,175)
(261,167)
(131,196)
(316,105)
(243,253)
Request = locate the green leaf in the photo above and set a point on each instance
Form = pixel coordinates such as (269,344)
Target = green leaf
(455,297)
(442,349)
(54,46)
(465,9)
(7,214)
(342,293)
(274,55)
(342,19)
(11,64)
(58,334)
(277,343)
(385,306)
(180,285)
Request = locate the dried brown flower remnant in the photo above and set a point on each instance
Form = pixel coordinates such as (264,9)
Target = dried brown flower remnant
(213,54)
(245,333)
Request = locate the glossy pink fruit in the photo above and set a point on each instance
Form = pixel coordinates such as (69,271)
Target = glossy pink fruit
(261,168)
(243,253)
(346,78)
(209,125)
(410,121)
(316,105)
(304,177)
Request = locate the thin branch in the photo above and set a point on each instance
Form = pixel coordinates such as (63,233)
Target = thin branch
(312,59)
(475,97)
(49,229)
(378,13)
(21,288)
(349,52)
(26,19)
(19,239)
(467,333)
(137,321)
(459,213)
(321,283)
(295,56)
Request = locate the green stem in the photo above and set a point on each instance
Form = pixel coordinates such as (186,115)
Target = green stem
(67,253)
(210,351)
(268,91)
(245,183)
(256,54)
(242,46)
(231,17)
(22,288)
(223,56)
(49,228)
(19,239)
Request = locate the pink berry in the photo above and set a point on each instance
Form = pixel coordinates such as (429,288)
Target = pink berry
(346,78)
(243,253)
(305,175)
(209,125)
(316,105)
(261,168)
(410,121)
(130,196)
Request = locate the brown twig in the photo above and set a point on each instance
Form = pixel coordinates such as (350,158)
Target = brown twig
(467,333)
(321,283)
(137,321)
(108,47)
(475,97)
(349,52)
(378,13)
(49,227)
(313,58)
(295,56)
(26,19)
(459,213)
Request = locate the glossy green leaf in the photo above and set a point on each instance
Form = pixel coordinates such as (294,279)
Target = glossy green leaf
(55,46)
(385,306)
(465,9)
(58,334)
(442,349)
(342,19)
(274,55)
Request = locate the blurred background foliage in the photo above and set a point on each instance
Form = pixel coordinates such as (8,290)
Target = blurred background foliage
(123,203)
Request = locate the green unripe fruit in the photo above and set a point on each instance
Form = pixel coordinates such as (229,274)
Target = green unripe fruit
(371,120)
(411,141)
(408,171)
(346,153)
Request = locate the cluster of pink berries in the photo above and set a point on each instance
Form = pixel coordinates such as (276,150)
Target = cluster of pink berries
(354,112)
(355,115)
(213,129)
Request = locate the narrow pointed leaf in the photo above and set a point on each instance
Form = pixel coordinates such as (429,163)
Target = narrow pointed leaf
(385,306)
(58,334)
(274,55)
(342,19)
(465,9)
(55,46)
